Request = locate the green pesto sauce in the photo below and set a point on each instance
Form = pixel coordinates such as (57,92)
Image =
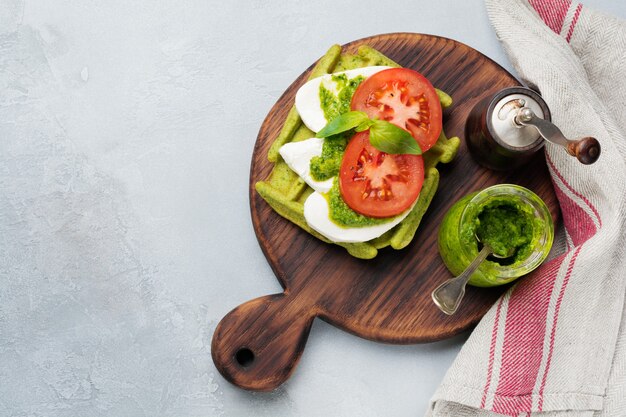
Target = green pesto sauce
(503,222)
(343,215)
(327,164)
(334,105)
(506,227)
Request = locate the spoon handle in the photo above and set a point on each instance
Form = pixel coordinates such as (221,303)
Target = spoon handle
(448,295)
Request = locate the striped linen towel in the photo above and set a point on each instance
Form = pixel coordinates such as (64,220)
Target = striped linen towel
(555,344)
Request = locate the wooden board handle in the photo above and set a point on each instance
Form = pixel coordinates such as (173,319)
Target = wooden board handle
(257,345)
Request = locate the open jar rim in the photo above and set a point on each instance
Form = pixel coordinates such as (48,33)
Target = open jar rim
(540,210)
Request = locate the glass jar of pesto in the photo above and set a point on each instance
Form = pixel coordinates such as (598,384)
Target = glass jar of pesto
(511,219)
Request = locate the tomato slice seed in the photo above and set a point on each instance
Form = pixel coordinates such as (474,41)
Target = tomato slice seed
(378,184)
(405,98)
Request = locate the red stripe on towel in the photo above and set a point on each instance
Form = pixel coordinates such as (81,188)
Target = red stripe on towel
(552,12)
(554,323)
(578,222)
(576,193)
(525,329)
(574,21)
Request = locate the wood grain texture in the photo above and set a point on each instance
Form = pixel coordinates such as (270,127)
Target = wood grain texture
(386,299)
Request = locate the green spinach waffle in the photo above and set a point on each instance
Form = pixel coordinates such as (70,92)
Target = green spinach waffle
(286,192)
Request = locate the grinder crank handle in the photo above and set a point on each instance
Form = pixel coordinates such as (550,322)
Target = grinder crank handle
(258,344)
(586,150)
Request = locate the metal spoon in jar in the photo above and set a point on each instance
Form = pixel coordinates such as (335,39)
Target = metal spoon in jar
(448,295)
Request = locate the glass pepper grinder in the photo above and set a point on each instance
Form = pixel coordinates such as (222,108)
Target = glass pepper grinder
(504,131)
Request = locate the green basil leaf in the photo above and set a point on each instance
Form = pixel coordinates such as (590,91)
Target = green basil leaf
(364,126)
(343,123)
(389,138)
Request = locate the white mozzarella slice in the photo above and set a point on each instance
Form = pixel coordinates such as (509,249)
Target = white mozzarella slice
(316,213)
(298,157)
(308,101)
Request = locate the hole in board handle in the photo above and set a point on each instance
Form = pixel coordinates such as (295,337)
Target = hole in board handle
(244,357)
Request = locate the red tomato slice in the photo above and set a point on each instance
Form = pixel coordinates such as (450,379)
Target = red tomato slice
(377,184)
(405,98)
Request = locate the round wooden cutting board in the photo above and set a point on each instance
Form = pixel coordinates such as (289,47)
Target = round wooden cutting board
(386,299)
